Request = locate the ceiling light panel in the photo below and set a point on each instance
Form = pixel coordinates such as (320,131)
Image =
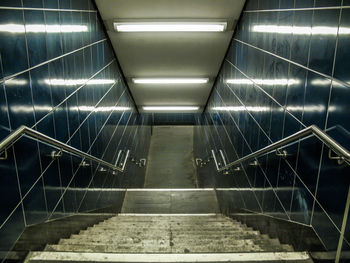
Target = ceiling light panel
(170,108)
(170,80)
(170,26)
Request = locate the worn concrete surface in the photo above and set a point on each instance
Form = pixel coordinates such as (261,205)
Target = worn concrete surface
(265,257)
(170,158)
(169,234)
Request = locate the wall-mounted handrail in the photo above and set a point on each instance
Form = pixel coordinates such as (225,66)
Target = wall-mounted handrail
(24,130)
(342,153)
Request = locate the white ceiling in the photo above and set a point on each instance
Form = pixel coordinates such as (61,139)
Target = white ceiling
(174,54)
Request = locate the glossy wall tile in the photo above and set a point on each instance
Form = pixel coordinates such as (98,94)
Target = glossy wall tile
(286,69)
(59,76)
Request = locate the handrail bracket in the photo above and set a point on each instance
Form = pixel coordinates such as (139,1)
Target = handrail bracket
(340,159)
(55,154)
(199,162)
(3,155)
(282,154)
(143,162)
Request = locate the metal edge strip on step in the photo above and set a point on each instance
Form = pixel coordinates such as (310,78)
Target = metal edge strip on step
(167,189)
(149,214)
(164,258)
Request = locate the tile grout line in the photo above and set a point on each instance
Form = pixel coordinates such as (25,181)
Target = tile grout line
(296,9)
(4,79)
(266,177)
(327,114)
(126,126)
(111,138)
(75,172)
(295,63)
(237,156)
(47,9)
(346,208)
(266,93)
(34,112)
(73,93)
(304,96)
(22,198)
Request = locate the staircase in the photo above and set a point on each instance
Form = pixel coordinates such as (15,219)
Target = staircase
(168,237)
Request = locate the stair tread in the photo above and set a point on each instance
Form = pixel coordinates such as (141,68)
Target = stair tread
(218,236)
(51,257)
(244,247)
(175,224)
(168,234)
(165,231)
(162,240)
(167,228)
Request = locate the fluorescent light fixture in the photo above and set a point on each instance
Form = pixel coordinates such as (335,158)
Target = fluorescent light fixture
(42,28)
(170,108)
(170,80)
(170,26)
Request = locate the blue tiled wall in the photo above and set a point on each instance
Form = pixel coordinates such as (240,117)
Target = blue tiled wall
(287,68)
(59,76)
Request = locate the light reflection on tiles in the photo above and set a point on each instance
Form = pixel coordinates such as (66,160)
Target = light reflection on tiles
(67,99)
(265,93)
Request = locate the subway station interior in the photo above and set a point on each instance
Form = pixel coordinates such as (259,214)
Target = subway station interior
(167,131)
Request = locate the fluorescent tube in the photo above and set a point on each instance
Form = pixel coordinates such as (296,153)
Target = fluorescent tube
(170,27)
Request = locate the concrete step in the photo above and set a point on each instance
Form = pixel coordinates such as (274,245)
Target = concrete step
(156,228)
(262,257)
(170,222)
(158,240)
(239,235)
(180,247)
(242,246)
(169,218)
(167,224)
(156,231)
(163,248)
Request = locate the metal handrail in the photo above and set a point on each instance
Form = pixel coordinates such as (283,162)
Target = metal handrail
(24,130)
(342,153)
